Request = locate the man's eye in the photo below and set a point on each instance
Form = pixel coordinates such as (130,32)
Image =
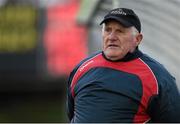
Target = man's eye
(119,31)
(107,29)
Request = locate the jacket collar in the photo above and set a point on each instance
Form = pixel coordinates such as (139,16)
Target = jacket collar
(128,57)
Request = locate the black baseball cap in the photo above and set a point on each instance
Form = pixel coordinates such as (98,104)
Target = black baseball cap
(125,16)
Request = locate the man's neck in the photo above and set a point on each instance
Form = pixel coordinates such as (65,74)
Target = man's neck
(128,57)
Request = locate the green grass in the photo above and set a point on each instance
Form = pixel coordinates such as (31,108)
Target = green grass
(33,108)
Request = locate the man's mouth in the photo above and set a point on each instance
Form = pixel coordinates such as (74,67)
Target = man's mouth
(113,46)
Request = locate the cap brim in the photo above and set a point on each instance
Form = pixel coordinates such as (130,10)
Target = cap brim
(120,20)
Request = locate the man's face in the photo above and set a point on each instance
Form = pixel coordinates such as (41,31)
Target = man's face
(118,40)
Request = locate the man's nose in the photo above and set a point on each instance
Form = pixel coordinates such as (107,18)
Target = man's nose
(112,36)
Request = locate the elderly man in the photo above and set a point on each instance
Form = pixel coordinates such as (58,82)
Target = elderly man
(120,83)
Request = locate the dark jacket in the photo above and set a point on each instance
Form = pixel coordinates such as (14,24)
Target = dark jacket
(134,89)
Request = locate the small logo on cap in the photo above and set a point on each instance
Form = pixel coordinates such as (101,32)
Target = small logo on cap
(119,11)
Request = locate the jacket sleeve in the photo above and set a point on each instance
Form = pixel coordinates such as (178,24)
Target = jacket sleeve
(166,106)
(70,100)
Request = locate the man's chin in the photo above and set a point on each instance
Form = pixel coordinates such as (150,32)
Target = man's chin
(112,56)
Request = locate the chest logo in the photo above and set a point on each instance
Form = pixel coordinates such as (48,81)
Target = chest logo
(85,65)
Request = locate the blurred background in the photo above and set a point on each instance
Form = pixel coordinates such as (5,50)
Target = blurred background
(42,40)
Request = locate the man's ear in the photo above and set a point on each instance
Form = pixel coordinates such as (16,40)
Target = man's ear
(139,38)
